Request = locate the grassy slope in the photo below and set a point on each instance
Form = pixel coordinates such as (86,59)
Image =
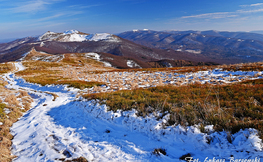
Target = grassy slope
(232,107)
(41,72)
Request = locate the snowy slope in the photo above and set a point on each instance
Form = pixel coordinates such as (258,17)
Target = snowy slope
(70,127)
(76,36)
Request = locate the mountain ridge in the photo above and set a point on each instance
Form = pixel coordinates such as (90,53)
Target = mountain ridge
(225,47)
(73,41)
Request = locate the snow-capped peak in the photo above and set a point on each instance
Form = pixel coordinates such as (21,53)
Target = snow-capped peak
(76,36)
(48,36)
(70,31)
(50,32)
(101,36)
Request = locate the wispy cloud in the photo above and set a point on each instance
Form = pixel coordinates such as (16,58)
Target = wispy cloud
(86,6)
(51,17)
(252,5)
(215,15)
(32,6)
(250,11)
(253,8)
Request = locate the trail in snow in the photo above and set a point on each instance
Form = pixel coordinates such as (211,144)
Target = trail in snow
(61,129)
(70,128)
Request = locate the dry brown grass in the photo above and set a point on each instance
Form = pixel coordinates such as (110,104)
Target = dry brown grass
(12,100)
(3,83)
(255,66)
(6,67)
(228,107)
(66,71)
(5,155)
(16,110)
(23,94)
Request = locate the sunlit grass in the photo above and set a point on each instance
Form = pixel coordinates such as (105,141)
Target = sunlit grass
(44,73)
(6,67)
(13,104)
(231,107)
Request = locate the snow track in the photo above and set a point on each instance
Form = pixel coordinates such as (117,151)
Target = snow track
(70,127)
(60,129)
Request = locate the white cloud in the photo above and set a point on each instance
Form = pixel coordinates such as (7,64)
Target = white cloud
(87,6)
(32,6)
(220,15)
(250,11)
(51,17)
(215,15)
(252,5)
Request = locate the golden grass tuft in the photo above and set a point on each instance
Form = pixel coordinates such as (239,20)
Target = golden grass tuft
(5,155)
(23,94)
(12,100)
(6,67)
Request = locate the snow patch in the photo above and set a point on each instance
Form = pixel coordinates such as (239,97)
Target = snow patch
(71,32)
(74,37)
(194,51)
(93,55)
(19,66)
(42,44)
(96,56)
(7,111)
(49,36)
(23,56)
(132,64)
(103,36)
(107,64)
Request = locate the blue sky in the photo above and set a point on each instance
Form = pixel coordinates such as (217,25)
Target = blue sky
(21,18)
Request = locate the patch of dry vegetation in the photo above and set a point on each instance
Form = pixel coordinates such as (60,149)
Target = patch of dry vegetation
(42,70)
(228,107)
(6,67)
(11,108)
(256,66)
(80,84)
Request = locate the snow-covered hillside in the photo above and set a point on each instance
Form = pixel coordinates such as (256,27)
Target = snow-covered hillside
(76,36)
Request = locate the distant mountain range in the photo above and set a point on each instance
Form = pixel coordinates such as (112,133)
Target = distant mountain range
(146,48)
(257,31)
(221,47)
(112,49)
(7,40)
